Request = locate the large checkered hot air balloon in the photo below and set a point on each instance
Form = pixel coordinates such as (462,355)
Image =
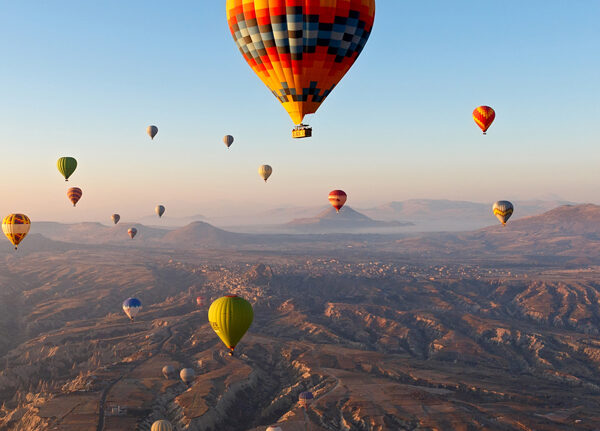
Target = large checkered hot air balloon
(300,49)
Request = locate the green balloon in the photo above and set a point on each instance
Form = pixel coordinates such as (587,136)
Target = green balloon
(230,317)
(66,166)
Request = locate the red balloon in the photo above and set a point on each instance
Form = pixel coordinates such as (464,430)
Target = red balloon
(484,117)
(337,199)
(200,301)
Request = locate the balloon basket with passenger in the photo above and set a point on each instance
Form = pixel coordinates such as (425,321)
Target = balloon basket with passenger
(302,131)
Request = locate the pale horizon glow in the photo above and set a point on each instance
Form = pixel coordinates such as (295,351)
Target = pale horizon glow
(85,80)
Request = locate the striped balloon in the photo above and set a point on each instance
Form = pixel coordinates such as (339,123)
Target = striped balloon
(503,210)
(337,198)
(162,425)
(300,49)
(16,227)
(484,117)
(228,140)
(74,194)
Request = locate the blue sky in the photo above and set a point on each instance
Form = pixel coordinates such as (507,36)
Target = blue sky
(86,78)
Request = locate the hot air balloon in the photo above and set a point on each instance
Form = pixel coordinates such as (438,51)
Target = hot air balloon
(230,317)
(74,194)
(152,131)
(131,307)
(162,425)
(265,172)
(200,301)
(132,232)
(484,117)
(273,428)
(228,140)
(305,398)
(337,198)
(300,49)
(66,166)
(115,218)
(159,210)
(168,371)
(503,210)
(187,375)
(16,227)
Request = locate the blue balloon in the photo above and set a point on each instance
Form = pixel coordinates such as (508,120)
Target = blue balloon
(131,307)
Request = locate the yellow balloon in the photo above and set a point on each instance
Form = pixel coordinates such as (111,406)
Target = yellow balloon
(16,227)
(230,317)
(162,425)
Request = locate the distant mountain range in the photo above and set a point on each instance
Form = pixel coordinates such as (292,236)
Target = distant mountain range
(347,220)
(570,233)
(413,215)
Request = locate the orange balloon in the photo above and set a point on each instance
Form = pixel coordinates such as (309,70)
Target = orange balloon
(484,117)
(337,198)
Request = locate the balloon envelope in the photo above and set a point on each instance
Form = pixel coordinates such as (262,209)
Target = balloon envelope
(484,117)
(152,131)
(305,398)
(66,166)
(273,428)
(230,317)
(160,210)
(503,210)
(187,375)
(132,232)
(300,49)
(131,307)
(16,227)
(168,371)
(115,218)
(74,194)
(265,172)
(337,198)
(228,140)
(162,425)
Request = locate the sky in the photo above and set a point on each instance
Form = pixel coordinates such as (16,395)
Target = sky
(85,79)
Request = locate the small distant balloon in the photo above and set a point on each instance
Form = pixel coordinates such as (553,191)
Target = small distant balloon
(152,131)
(132,232)
(305,398)
(159,210)
(74,194)
(484,117)
(337,199)
(162,425)
(16,227)
(66,166)
(503,210)
(265,172)
(187,375)
(273,428)
(131,307)
(115,218)
(200,301)
(168,371)
(228,140)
